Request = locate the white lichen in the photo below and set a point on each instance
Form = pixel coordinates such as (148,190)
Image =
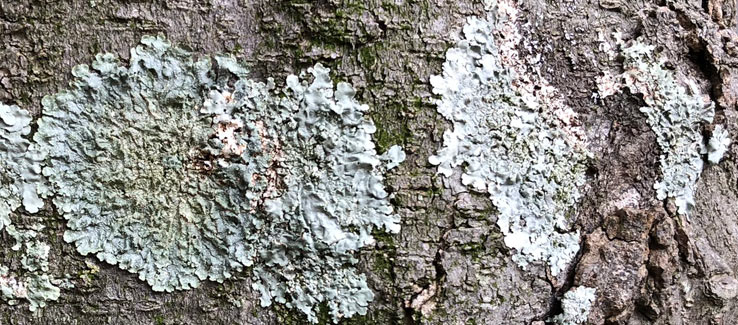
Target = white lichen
(514,136)
(676,115)
(718,144)
(576,305)
(181,171)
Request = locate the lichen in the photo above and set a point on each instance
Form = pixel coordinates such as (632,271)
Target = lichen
(20,176)
(141,174)
(333,183)
(514,136)
(33,283)
(181,171)
(675,115)
(576,305)
(21,184)
(718,144)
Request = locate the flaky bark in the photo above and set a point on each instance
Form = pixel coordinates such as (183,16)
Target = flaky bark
(449,264)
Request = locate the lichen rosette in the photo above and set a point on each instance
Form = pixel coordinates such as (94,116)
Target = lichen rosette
(159,167)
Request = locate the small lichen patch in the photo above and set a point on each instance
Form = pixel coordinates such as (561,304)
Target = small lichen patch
(182,170)
(576,306)
(515,137)
(676,115)
(21,184)
(718,144)
(32,283)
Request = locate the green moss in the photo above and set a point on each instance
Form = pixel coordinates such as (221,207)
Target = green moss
(389,6)
(392,126)
(324,316)
(368,56)
(289,317)
(384,237)
(337,29)
(434,191)
(159,320)
(473,248)
(383,262)
(25,99)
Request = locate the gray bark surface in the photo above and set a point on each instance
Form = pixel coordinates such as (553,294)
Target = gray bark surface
(449,264)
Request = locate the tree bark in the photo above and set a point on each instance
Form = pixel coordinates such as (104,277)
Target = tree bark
(449,264)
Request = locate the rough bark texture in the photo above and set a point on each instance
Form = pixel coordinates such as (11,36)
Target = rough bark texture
(449,264)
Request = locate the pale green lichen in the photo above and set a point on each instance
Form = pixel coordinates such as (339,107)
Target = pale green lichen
(142,174)
(333,183)
(21,184)
(20,172)
(33,283)
(181,171)
(514,138)
(576,305)
(676,116)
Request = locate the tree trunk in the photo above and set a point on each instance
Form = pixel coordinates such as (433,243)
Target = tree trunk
(449,264)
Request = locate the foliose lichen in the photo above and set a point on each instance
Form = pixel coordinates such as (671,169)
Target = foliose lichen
(676,116)
(718,144)
(32,283)
(20,171)
(21,184)
(141,173)
(182,170)
(332,183)
(576,305)
(515,138)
